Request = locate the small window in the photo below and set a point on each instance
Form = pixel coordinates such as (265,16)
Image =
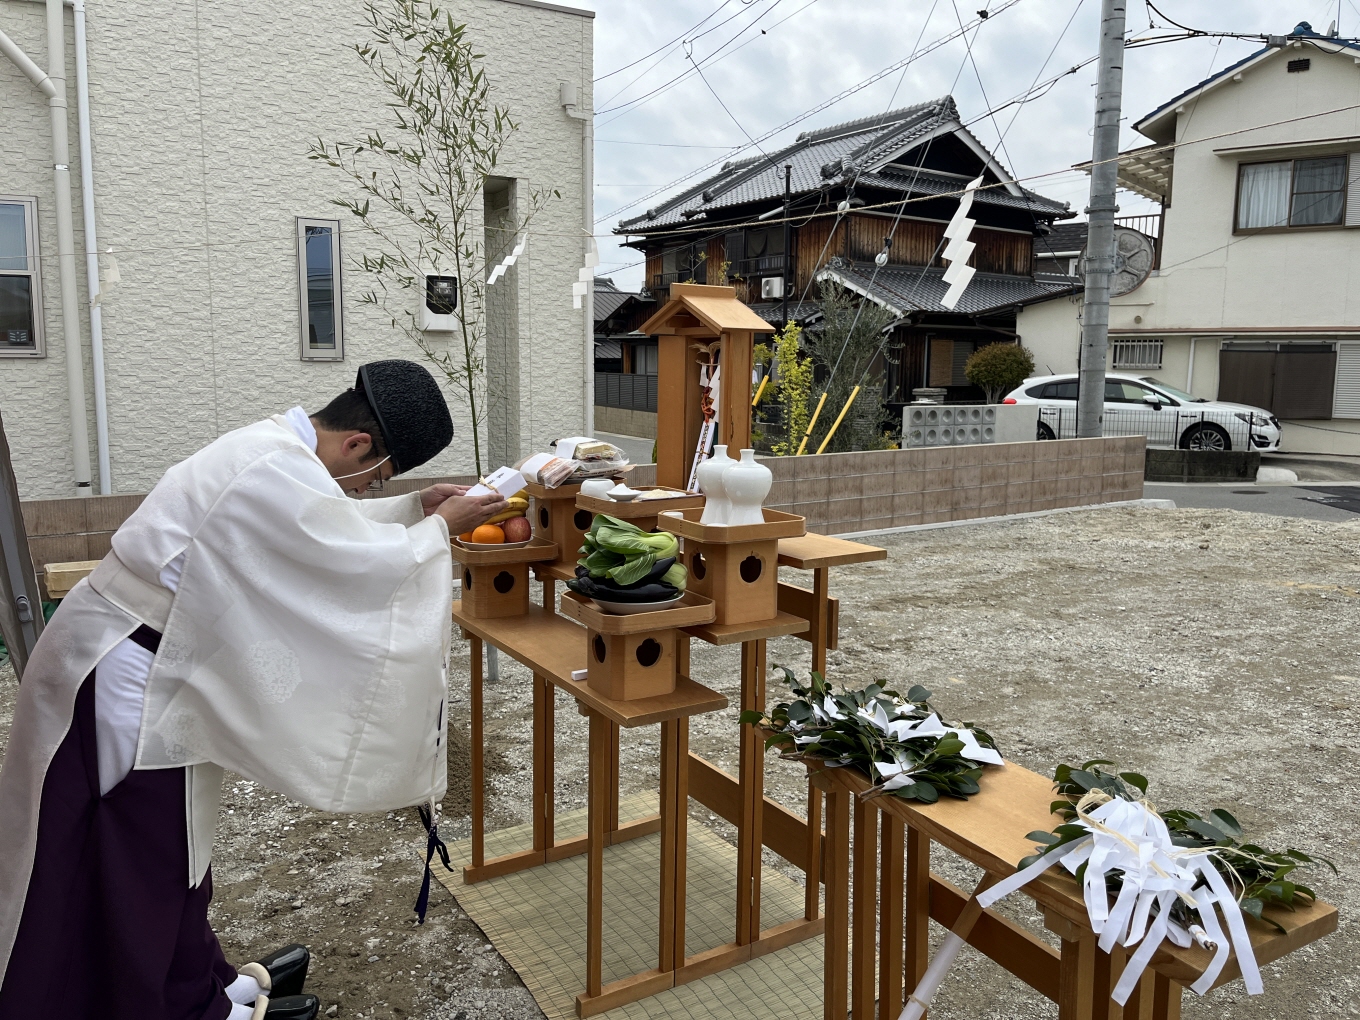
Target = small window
(21,316)
(1291,193)
(319,289)
(1137,353)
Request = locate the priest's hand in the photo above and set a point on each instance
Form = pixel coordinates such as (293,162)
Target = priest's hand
(463,513)
(431,498)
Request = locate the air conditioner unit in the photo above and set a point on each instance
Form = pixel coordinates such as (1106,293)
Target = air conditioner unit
(441,301)
(772,287)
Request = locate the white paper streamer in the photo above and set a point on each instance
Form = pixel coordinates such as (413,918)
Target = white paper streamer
(960,249)
(930,981)
(585,275)
(499,270)
(1128,837)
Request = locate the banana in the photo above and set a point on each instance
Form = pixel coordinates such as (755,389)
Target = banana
(518,507)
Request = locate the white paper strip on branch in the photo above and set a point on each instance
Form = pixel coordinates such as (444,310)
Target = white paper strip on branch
(960,249)
(1127,837)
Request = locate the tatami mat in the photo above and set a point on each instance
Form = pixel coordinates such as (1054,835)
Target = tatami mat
(537,920)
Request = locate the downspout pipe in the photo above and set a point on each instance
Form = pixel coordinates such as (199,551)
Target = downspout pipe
(52,84)
(92,288)
(587,118)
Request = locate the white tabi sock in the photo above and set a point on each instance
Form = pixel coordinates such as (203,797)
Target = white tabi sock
(243,991)
(239,1011)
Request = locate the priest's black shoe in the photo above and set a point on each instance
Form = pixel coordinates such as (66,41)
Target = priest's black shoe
(293,1007)
(287,969)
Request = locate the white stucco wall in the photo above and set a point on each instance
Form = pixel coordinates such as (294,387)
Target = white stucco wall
(201,118)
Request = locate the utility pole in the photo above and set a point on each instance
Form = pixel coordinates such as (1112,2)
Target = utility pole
(788,241)
(1100,253)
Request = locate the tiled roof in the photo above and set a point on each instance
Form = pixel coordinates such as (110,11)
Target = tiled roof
(902,289)
(1064,237)
(828,156)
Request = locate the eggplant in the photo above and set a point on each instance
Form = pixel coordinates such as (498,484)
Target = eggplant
(653,576)
(592,588)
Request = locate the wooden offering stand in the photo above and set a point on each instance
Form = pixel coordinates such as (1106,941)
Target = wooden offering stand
(641,512)
(735,566)
(887,950)
(552,646)
(496,577)
(632,657)
(556,519)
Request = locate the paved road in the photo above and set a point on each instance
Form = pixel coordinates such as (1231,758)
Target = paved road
(1281,500)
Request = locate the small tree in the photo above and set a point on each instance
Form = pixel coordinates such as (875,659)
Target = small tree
(422,186)
(847,345)
(999,368)
(794,388)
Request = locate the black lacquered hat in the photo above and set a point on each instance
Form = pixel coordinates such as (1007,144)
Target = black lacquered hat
(410,408)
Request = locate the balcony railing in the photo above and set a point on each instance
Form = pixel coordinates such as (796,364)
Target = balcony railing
(625,390)
(763,265)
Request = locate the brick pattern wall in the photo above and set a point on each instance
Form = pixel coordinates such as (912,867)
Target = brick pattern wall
(846,492)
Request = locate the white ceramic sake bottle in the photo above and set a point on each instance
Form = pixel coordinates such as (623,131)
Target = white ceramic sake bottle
(716,506)
(746,483)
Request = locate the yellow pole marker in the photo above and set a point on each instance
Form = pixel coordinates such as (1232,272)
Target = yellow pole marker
(811,425)
(841,417)
(756,399)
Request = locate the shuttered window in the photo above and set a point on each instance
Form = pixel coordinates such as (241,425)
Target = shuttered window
(1346,403)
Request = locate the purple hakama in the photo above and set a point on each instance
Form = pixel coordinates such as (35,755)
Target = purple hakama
(111,929)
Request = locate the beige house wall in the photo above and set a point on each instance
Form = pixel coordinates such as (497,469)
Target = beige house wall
(201,115)
(1215,285)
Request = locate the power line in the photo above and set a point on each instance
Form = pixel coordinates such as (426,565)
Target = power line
(633,103)
(663,46)
(825,104)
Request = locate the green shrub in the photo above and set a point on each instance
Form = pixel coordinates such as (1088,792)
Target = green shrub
(999,368)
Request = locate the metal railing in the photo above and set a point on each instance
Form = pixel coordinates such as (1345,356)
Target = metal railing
(1170,427)
(1147,223)
(625,390)
(762,265)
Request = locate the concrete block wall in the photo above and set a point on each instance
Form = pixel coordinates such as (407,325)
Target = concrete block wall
(840,493)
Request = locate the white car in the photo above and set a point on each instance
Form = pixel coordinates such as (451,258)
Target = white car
(1144,406)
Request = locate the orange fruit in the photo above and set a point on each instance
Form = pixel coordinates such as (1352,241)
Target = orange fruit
(488,534)
(465,537)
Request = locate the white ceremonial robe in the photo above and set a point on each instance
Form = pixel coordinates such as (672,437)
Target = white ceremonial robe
(305,647)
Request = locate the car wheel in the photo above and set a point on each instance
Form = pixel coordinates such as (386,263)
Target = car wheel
(1205,436)
(1044,432)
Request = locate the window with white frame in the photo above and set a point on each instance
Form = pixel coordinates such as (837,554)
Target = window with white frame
(319,289)
(1291,193)
(1137,353)
(21,317)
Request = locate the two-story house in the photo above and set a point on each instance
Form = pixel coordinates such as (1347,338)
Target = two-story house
(1256,294)
(238,294)
(850,187)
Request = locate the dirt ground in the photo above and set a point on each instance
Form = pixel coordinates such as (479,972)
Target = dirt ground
(1214,651)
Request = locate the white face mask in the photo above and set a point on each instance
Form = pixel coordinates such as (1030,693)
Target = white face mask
(376,484)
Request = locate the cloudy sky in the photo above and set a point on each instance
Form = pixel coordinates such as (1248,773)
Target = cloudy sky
(769,61)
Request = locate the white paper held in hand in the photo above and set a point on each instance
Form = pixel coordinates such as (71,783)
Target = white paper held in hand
(505,481)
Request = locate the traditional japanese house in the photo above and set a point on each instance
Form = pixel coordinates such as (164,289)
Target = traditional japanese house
(849,189)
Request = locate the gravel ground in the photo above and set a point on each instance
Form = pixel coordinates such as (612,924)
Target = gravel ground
(1212,650)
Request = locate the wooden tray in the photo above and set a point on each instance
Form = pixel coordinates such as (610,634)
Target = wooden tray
(691,611)
(777,525)
(491,555)
(635,508)
(539,491)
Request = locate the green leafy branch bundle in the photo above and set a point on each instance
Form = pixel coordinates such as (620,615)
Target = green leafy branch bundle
(898,742)
(1257,876)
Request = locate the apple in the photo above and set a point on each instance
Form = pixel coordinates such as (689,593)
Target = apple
(517,529)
